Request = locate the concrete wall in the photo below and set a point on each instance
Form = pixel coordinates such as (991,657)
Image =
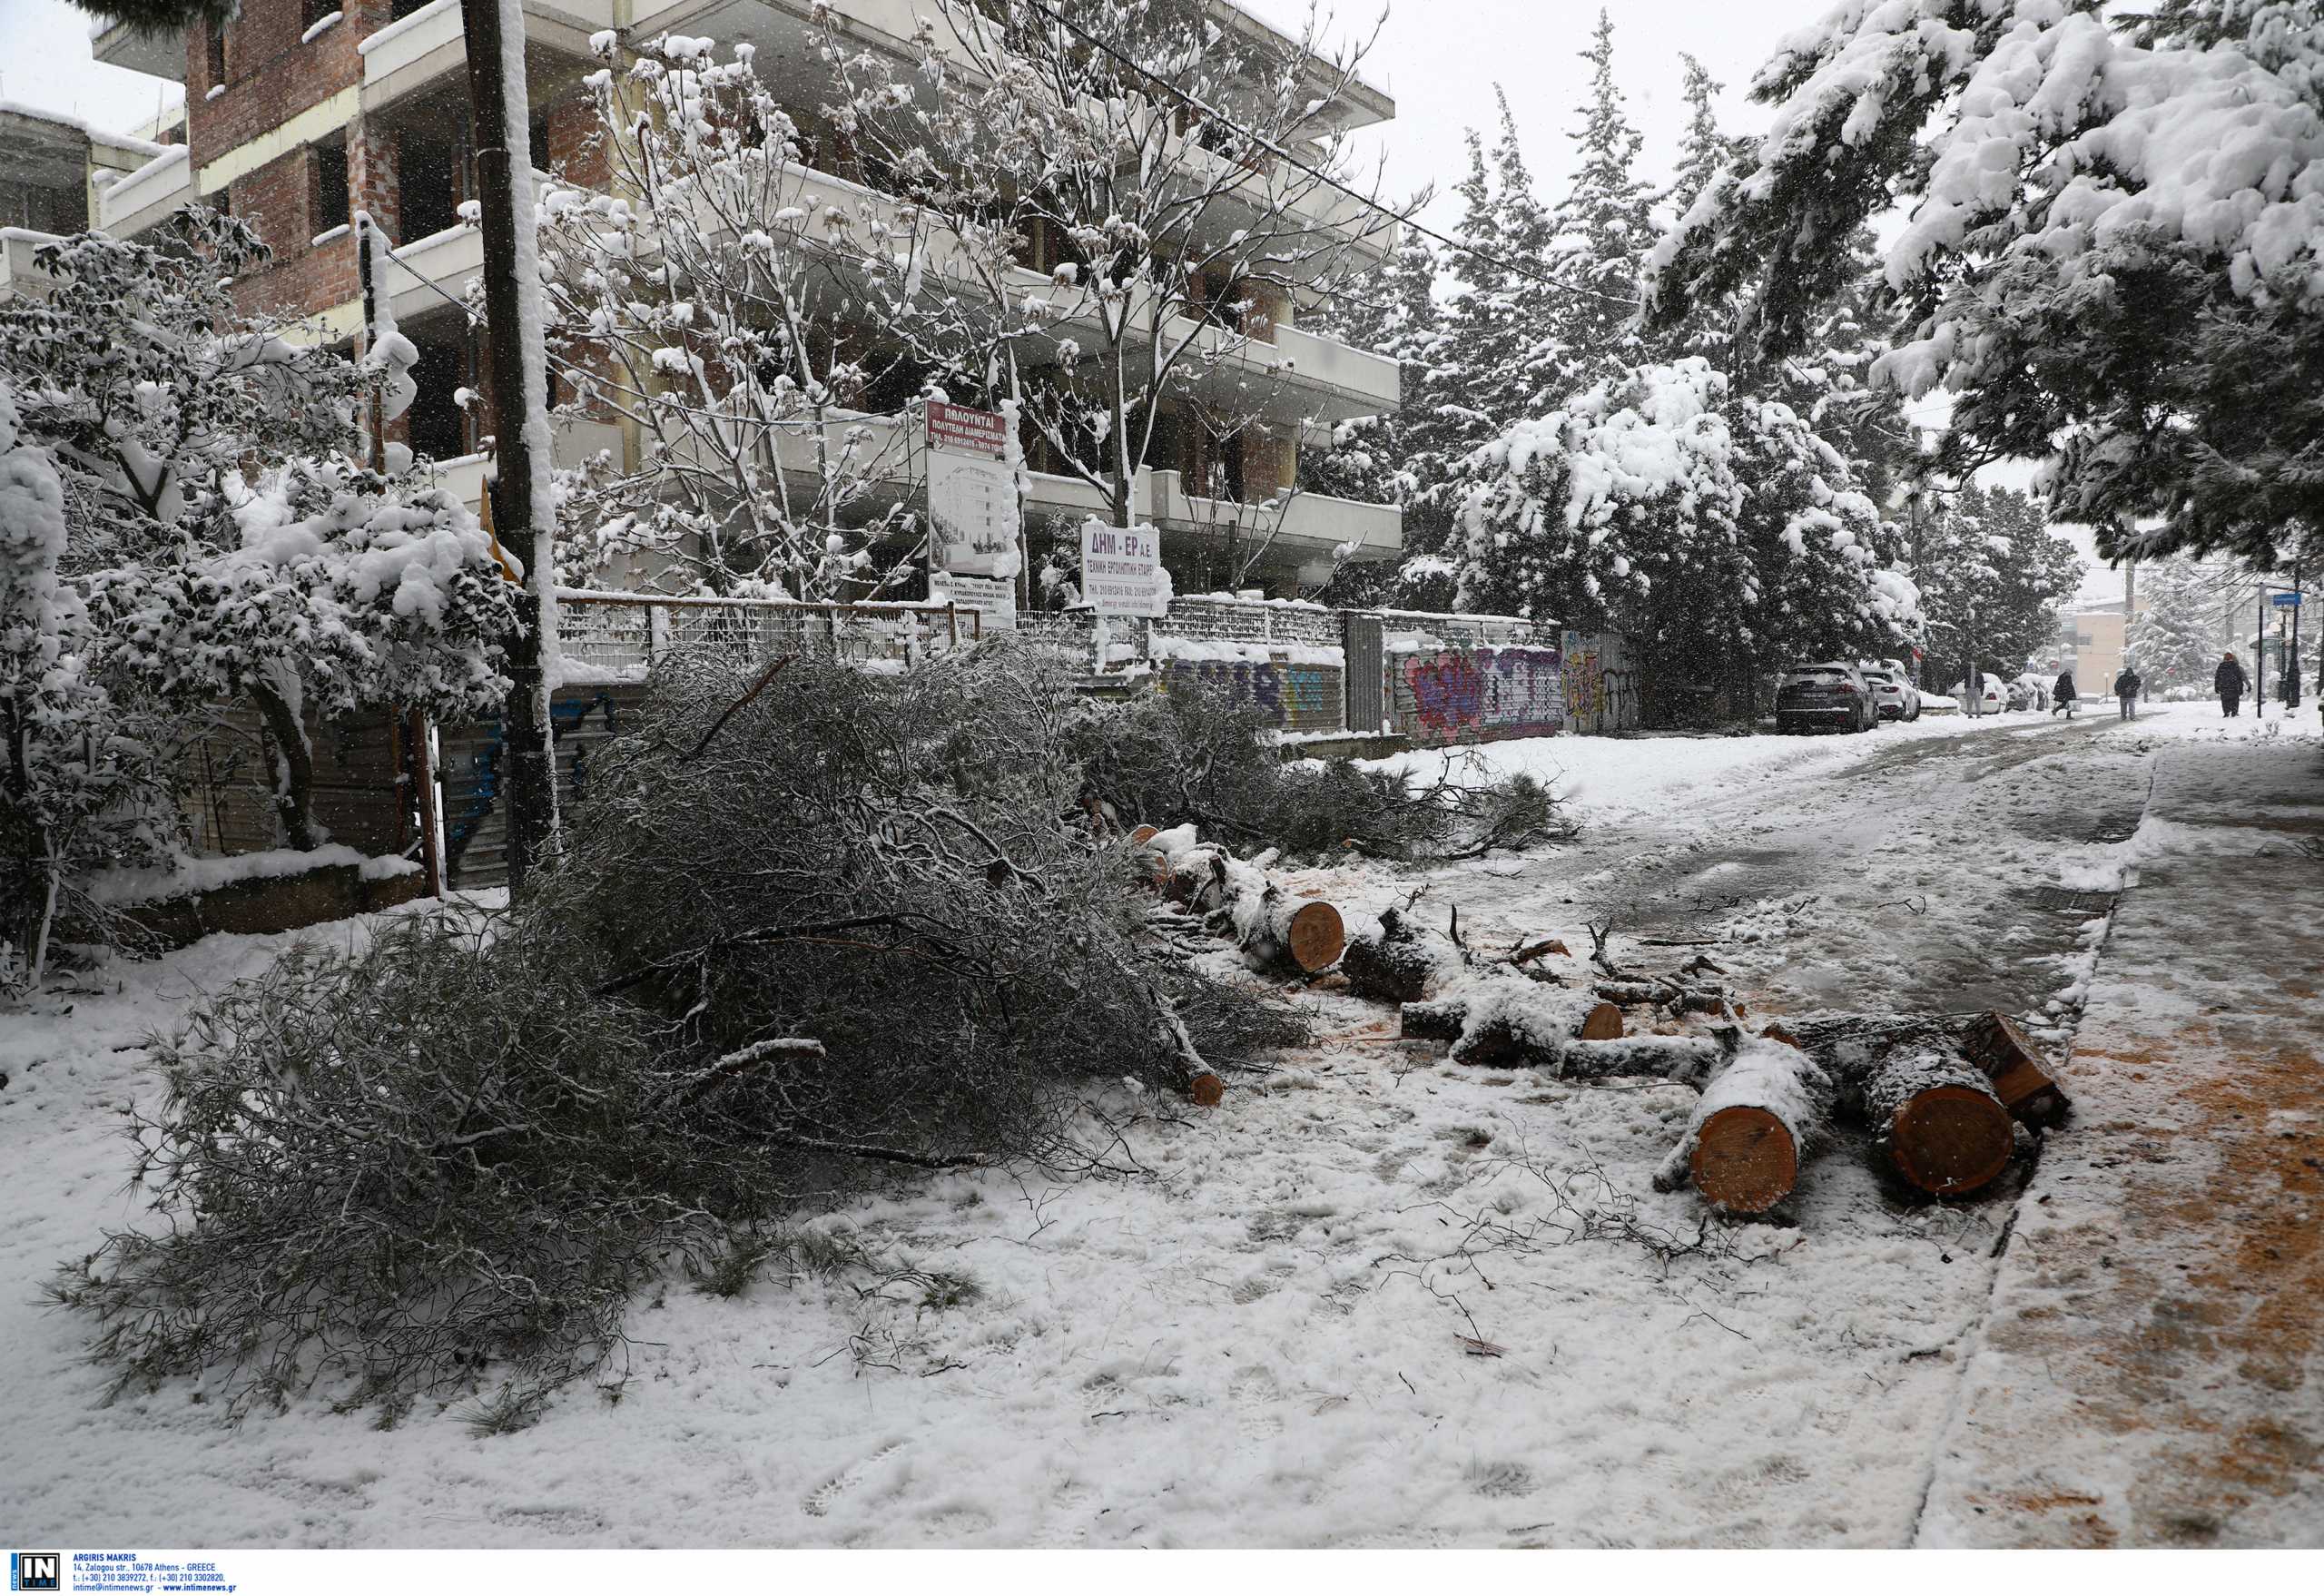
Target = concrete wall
(1476,694)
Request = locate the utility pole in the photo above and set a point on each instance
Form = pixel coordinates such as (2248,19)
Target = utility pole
(496,79)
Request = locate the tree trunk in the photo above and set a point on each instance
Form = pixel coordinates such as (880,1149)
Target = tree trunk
(1399,961)
(1938,1121)
(1686,1060)
(294,767)
(1238,900)
(1756,1123)
(1512,1021)
(2020,1078)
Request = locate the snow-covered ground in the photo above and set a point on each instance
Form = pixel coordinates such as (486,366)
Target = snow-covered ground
(1371,1300)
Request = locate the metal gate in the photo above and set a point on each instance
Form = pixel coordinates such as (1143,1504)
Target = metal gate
(1366,674)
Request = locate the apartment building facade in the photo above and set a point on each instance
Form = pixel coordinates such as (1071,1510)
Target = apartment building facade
(301,111)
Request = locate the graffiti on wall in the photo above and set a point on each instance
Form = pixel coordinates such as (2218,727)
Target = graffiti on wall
(1476,694)
(1302,696)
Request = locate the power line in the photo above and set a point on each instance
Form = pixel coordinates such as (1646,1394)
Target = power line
(1288,159)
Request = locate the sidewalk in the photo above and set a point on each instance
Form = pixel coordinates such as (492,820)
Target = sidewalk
(2152,1370)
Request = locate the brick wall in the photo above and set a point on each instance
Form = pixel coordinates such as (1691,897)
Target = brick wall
(271,76)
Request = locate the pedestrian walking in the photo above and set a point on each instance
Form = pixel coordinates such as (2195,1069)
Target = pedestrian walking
(2126,688)
(2228,682)
(2063,697)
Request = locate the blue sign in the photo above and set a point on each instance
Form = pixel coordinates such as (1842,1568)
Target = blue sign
(2285,600)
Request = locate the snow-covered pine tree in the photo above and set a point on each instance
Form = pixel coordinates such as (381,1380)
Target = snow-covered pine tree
(228,545)
(1499,356)
(1992,576)
(2107,244)
(1604,226)
(2189,613)
(1393,459)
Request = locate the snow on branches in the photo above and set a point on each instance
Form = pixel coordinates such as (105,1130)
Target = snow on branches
(1711,525)
(2116,236)
(708,304)
(152,402)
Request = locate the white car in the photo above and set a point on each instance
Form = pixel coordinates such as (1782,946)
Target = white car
(1893,693)
(1992,700)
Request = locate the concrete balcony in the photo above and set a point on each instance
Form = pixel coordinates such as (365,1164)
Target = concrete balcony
(156,53)
(889,451)
(432,273)
(20,278)
(415,52)
(129,205)
(1308,526)
(572,443)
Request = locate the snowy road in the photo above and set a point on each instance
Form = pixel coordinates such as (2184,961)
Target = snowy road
(1256,1341)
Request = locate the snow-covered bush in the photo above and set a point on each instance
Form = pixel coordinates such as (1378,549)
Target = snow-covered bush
(881,935)
(1167,759)
(338,592)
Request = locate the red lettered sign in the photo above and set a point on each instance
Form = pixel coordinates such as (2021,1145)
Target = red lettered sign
(976,432)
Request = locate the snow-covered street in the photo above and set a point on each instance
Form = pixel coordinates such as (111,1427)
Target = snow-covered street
(1375,1299)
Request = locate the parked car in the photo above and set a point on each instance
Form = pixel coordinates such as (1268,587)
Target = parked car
(1834,693)
(1893,693)
(1992,700)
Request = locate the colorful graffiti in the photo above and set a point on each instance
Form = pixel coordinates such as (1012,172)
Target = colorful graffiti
(1297,697)
(1479,694)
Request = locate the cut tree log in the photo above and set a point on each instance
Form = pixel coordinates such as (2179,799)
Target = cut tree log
(1997,1045)
(1937,1120)
(1399,961)
(1238,900)
(1689,1060)
(1753,1128)
(1508,1020)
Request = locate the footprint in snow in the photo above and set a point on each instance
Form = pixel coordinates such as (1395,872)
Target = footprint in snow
(820,1499)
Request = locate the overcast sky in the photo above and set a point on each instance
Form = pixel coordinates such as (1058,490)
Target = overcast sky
(1441,60)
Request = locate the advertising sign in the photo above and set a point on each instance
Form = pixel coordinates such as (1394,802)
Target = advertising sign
(1121,570)
(972,494)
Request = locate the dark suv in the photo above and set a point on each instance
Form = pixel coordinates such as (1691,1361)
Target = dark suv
(1834,695)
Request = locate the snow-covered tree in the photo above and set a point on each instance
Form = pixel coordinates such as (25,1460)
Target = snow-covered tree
(2109,257)
(2189,609)
(78,777)
(227,544)
(1714,527)
(1115,204)
(714,300)
(1605,225)
(1991,577)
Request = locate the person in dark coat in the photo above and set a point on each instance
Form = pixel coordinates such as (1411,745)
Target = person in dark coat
(2228,682)
(2063,697)
(2126,688)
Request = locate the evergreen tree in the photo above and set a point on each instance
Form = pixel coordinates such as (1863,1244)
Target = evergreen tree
(1606,224)
(1703,151)
(2176,639)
